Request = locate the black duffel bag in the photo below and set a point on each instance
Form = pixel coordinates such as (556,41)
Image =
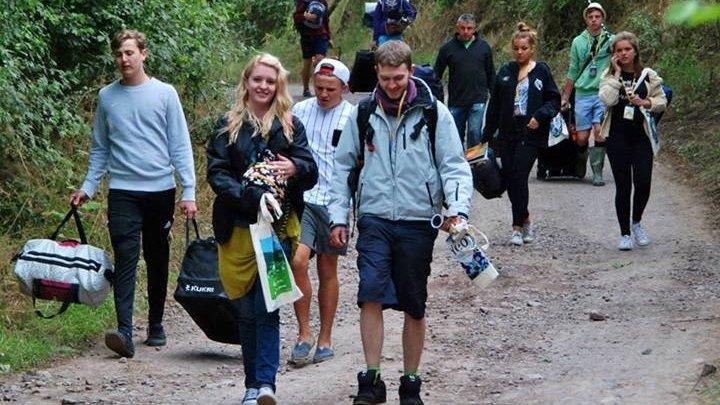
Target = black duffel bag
(487,179)
(200,291)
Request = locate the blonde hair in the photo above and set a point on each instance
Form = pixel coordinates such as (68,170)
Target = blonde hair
(524,31)
(633,40)
(280,106)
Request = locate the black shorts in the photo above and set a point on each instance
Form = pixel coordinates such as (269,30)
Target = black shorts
(394,263)
(312,46)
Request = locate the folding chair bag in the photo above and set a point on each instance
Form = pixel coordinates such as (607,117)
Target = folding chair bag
(200,291)
(69,271)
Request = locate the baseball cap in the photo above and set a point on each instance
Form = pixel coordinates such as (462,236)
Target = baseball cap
(333,67)
(594,6)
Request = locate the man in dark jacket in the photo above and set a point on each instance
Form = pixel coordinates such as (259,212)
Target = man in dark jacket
(470,77)
(311,19)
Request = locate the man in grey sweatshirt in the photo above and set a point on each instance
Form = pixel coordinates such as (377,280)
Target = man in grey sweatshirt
(140,138)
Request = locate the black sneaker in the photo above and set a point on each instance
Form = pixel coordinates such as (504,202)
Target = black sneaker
(410,390)
(156,336)
(119,343)
(371,389)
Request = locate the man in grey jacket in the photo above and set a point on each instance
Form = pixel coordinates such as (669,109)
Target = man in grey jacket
(402,185)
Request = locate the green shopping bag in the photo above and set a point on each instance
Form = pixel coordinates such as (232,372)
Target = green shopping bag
(276,277)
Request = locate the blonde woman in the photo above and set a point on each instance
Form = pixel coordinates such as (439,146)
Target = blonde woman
(259,128)
(524,101)
(629,91)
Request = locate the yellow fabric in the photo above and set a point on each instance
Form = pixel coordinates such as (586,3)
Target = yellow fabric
(236,258)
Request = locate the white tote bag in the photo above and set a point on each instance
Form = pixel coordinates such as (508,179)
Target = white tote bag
(276,277)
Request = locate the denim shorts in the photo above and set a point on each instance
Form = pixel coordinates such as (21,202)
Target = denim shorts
(589,110)
(394,263)
(312,46)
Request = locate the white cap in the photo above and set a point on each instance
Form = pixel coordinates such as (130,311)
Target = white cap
(594,6)
(333,67)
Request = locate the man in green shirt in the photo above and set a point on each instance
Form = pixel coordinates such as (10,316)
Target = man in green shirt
(589,57)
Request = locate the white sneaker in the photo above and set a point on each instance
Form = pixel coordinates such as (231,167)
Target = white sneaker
(528,233)
(250,397)
(516,238)
(266,396)
(641,237)
(626,243)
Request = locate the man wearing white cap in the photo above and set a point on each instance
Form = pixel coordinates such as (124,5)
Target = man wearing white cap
(589,57)
(324,117)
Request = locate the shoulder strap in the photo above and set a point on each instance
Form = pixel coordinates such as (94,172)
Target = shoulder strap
(645,74)
(431,117)
(365,130)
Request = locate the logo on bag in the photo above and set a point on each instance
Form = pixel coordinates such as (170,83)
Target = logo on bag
(197,288)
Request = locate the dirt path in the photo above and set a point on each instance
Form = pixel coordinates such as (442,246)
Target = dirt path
(526,339)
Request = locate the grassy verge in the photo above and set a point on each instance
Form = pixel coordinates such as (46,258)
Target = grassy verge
(36,340)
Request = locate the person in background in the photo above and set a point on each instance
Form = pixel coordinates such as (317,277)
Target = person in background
(311,19)
(401,187)
(470,77)
(258,126)
(630,91)
(324,117)
(589,57)
(140,138)
(525,99)
(390,19)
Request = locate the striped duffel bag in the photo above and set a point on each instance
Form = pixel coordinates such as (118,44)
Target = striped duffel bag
(69,271)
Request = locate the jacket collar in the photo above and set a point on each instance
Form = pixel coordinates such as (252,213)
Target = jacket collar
(424,97)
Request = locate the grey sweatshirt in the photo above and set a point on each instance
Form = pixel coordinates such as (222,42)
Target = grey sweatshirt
(141,139)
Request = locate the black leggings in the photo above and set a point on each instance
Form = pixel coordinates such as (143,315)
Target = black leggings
(631,160)
(517,160)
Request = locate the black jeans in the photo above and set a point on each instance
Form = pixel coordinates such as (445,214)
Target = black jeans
(130,215)
(631,160)
(518,157)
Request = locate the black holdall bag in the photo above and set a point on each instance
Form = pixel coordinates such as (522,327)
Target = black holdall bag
(200,291)
(487,179)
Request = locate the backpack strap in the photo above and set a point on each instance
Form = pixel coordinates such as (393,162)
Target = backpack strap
(429,119)
(365,130)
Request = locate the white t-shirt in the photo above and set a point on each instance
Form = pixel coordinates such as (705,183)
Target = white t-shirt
(320,125)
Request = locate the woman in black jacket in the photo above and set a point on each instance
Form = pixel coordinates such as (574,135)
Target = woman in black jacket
(259,131)
(524,101)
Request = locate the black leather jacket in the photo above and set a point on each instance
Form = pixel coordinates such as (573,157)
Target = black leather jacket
(237,203)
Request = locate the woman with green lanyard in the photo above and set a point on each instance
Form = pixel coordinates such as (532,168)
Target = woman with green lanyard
(631,93)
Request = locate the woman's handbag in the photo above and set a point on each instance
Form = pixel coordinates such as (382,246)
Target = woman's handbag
(276,277)
(68,271)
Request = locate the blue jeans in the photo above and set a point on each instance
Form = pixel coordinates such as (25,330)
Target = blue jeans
(470,117)
(259,337)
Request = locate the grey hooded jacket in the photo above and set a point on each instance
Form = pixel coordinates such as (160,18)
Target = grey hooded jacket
(400,180)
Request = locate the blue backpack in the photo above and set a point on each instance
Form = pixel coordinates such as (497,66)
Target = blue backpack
(427,74)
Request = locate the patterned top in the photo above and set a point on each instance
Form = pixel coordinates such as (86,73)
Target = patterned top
(521,97)
(321,126)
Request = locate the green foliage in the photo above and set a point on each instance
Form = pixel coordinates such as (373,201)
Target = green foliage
(54,56)
(692,13)
(35,340)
